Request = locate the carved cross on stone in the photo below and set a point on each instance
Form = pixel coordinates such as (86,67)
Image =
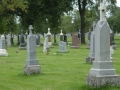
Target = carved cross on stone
(30,29)
(102,9)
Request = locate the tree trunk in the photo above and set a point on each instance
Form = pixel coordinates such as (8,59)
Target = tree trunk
(82,5)
(54,38)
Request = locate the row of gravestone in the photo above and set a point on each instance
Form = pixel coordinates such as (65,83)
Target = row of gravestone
(102,71)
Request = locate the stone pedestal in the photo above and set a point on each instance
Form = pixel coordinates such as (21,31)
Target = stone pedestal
(3,52)
(102,80)
(89,59)
(32,69)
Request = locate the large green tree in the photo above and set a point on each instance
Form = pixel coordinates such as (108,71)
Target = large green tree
(40,10)
(91,4)
(8,8)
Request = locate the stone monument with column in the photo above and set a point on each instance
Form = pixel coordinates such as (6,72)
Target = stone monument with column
(32,66)
(102,72)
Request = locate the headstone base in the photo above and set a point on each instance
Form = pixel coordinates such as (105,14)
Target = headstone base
(89,60)
(114,46)
(88,47)
(23,48)
(62,51)
(32,69)
(3,52)
(37,45)
(102,80)
(75,46)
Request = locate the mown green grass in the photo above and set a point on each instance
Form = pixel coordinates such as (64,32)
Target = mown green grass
(63,71)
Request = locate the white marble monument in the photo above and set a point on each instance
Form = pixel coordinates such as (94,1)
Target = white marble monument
(49,38)
(45,44)
(3,51)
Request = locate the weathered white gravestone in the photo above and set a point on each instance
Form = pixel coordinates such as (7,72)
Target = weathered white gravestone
(61,36)
(3,51)
(49,38)
(45,44)
(102,72)
(91,55)
(32,66)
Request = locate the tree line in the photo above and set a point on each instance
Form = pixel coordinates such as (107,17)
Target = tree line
(55,14)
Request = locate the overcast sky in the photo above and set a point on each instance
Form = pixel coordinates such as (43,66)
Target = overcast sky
(118,3)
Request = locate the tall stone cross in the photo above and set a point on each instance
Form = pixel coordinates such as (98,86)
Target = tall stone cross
(102,9)
(30,29)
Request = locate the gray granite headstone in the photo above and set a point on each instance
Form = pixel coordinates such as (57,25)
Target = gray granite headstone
(9,40)
(3,51)
(91,55)
(62,47)
(32,66)
(102,72)
(37,40)
(22,41)
(18,39)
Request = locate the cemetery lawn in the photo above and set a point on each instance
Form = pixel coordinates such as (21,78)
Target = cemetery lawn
(59,71)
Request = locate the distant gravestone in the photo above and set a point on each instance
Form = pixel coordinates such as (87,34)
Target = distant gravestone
(113,42)
(111,48)
(75,40)
(9,40)
(91,55)
(45,44)
(18,39)
(3,51)
(49,38)
(37,40)
(32,66)
(62,47)
(22,41)
(102,72)
(65,37)
(89,34)
(61,36)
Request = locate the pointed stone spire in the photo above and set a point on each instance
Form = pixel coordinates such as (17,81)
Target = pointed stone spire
(30,29)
